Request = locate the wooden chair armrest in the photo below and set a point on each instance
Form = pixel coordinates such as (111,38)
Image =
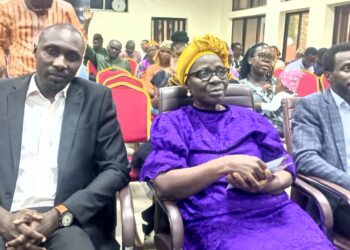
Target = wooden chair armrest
(127,217)
(174,217)
(325,210)
(331,187)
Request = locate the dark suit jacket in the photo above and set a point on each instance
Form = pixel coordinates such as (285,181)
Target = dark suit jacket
(92,162)
(318,139)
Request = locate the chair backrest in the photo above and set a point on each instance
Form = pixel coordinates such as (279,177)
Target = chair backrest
(133,107)
(90,67)
(171,98)
(324,82)
(277,72)
(288,106)
(125,78)
(134,66)
(104,74)
(308,84)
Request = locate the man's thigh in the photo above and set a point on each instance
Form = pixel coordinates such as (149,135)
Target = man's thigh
(69,238)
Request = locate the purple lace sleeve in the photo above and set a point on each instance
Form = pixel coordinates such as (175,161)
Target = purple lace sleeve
(169,149)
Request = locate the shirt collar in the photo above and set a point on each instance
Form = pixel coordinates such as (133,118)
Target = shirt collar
(34,90)
(338,100)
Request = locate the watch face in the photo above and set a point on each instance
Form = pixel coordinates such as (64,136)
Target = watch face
(67,219)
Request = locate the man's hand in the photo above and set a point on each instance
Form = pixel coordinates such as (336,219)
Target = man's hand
(87,14)
(9,228)
(49,222)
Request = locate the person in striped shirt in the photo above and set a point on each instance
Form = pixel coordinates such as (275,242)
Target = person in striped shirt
(21,22)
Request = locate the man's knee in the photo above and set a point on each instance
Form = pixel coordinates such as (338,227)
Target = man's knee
(69,238)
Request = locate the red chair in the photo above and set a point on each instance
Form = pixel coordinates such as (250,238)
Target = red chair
(324,82)
(134,66)
(133,106)
(125,78)
(90,67)
(308,84)
(278,71)
(102,75)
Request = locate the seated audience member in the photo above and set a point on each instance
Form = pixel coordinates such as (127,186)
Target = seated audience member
(237,50)
(61,136)
(201,148)
(130,52)
(278,62)
(22,21)
(152,48)
(286,86)
(233,71)
(256,72)
(162,61)
(318,65)
(306,62)
(111,59)
(97,44)
(321,135)
(143,49)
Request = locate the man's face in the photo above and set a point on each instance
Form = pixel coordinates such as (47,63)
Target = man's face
(58,57)
(237,51)
(143,46)
(340,77)
(97,44)
(114,48)
(309,60)
(130,48)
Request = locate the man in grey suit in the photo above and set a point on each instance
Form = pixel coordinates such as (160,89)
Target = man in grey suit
(62,157)
(321,135)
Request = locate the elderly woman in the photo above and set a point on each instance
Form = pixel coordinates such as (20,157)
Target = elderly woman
(162,61)
(152,48)
(199,149)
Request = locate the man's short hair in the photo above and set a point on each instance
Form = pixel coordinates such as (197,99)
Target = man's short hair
(98,36)
(328,60)
(234,45)
(310,51)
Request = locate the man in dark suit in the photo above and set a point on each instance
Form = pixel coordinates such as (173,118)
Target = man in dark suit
(62,157)
(321,135)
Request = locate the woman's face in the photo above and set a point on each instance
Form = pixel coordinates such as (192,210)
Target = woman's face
(164,56)
(207,94)
(261,61)
(151,51)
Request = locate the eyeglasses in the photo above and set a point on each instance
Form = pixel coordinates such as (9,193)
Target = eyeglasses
(266,57)
(207,74)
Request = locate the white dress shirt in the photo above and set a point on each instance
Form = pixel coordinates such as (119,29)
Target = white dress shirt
(298,65)
(38,169)
(344,111)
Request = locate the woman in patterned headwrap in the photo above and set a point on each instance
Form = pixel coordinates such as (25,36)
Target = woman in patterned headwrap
(152,48)
(201,148)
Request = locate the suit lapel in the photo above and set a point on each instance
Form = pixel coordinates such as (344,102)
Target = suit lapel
(73,106)
(15,108)
(337,127)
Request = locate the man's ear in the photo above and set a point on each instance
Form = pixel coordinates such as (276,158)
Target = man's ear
(329,76)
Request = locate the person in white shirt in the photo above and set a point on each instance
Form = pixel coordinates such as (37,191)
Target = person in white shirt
(321,135)
(62,156)
(306,62)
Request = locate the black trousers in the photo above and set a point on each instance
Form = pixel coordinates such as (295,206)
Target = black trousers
(68,238)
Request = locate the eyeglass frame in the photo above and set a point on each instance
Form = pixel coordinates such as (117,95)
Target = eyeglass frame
(263,56)
(212,72)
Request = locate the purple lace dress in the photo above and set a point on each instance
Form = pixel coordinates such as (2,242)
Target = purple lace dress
(218,218)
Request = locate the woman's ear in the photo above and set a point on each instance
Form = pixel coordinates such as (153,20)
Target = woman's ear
(250,60)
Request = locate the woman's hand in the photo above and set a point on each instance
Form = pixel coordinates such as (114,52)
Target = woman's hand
(249,183)
(246,165)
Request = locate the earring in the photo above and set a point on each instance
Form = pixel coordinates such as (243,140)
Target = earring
(189,93)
